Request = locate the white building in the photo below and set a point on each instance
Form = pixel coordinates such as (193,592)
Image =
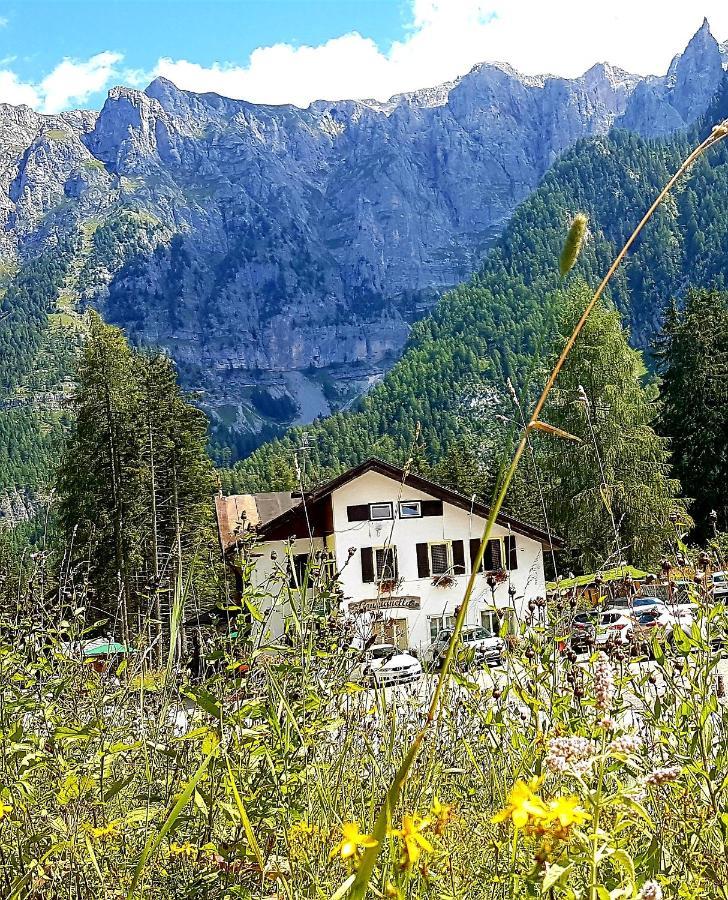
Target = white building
(403,547)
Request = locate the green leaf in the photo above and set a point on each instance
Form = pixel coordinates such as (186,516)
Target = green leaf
(206,701)
(555,875)
(622,859)
(154,840)
(343,888)
(249,833)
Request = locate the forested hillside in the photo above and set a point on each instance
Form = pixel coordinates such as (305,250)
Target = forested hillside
(490,328)
(38,345)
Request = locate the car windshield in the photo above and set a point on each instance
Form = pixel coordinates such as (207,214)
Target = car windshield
(645,601)
(610,618)
(383,652)
(477,634)
(719,578)
(584,618)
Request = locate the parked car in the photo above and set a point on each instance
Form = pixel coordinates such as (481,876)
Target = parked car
(635,604)
(385,665)
(651,623)
(720,586)
(583,633)
(487,647)
(596,628)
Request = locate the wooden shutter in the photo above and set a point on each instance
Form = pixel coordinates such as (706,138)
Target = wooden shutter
(431,507)
(492,559)
(358,513)
(423,561)
(509,543)
(474,544)
(367,565)
(458,557)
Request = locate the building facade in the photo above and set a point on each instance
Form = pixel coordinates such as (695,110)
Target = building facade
(402,548)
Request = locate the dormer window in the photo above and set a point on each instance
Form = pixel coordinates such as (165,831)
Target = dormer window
(379,511)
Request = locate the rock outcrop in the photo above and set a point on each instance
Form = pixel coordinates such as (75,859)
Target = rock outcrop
(280,239)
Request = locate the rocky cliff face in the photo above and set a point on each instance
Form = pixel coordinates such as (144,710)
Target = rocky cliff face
(291,249)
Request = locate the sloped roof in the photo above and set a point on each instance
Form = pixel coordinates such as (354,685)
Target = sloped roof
(268,511)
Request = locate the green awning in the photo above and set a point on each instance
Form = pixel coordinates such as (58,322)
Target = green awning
(109,649)
(606,576)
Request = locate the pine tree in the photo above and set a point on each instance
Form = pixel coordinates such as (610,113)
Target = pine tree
(692,358)
(135,482)
(610,495)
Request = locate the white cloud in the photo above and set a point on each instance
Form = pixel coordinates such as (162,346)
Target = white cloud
(14,91)
(4,21)
(443,40)
(70,83)
(73,81)
(447,37)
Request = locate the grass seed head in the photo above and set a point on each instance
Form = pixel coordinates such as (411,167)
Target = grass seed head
(572,244)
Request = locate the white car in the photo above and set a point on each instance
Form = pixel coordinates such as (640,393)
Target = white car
(720,586)
(487,646)
(613,625)
(384,665)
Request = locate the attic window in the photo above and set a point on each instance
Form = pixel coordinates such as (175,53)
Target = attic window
(378,511)
(410,509)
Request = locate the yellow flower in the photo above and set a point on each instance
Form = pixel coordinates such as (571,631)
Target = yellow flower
(442,815)
(351,841)
(523,806)
(106,831)
(5,809)
(566,811)
(413,841)
(186,850)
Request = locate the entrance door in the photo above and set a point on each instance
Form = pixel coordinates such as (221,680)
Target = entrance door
(392,631)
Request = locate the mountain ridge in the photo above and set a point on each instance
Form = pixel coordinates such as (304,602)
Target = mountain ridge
(281,255)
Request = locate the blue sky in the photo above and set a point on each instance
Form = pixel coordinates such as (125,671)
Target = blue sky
(206,32)
(60,54)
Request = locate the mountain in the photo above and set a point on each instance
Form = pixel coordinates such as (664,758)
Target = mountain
(496,326)
(281,255)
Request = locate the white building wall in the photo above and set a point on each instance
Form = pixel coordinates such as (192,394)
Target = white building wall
(434,601)
(270,577)
(455,524)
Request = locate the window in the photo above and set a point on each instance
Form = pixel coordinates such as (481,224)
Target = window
(490,622)
(385,559)
(500,553)
(440,558)
(410,509)
(440,623)
(379,564)
(378,511)
(299,569)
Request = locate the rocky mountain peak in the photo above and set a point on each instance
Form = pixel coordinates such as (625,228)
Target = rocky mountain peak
(696,73)
(282,249)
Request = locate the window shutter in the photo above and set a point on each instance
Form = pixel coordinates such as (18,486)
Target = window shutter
(367,565)
(431,507)
(474,544)
(511,552)
(358,513)
(492,560)
(423,561)
(392,561)
(458,557)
